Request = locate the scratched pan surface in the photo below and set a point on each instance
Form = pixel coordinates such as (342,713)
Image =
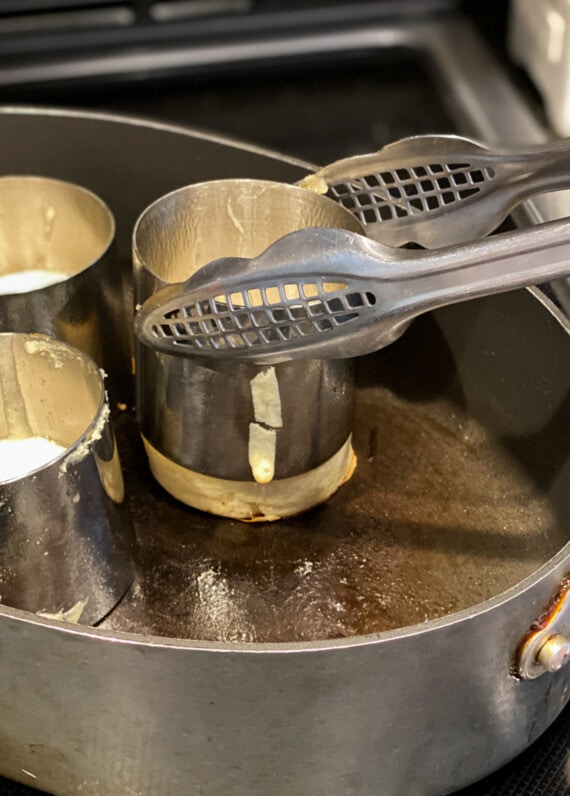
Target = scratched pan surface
(361,648)
(439,516)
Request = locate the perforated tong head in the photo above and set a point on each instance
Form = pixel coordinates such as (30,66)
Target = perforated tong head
(438,190)
(329,293)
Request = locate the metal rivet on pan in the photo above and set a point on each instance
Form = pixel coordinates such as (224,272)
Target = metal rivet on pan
(546,645)
(554,653)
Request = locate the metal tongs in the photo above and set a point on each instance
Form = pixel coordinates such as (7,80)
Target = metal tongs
(437,190)
(329,293)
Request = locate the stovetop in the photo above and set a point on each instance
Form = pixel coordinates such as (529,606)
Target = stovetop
(320,108)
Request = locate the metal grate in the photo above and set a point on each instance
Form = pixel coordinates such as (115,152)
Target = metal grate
(407,192)
(261,316)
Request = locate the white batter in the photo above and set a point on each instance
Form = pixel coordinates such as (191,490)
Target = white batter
(25,281)
(20,456)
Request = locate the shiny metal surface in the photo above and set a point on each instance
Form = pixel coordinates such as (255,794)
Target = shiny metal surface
(65,536)
(386,713)
(199,415)
(50,225)
(161,716)
(333,293)
(104,711)
(554,653)
(437,190)
(545,647)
